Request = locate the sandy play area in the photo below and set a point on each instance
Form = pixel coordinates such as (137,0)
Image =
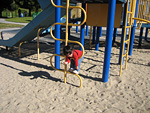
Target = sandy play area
(29,85)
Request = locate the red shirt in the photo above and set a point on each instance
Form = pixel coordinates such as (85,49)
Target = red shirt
(76,55)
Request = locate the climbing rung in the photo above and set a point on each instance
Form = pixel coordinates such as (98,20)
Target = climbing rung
(128,26)
(127,40)
(130,12)
(125,54)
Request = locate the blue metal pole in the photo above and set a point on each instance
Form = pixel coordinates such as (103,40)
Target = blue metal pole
(93,38)
(69,27)
(86,30)
(146,33)
(140,37)
(109,35)
(97,39)
(123,26)
(115,34)
(133,30)
(57,34)
(82,27)
(77,28)
(100,32)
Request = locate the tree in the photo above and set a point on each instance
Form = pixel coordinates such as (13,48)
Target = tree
(5,4)
(28,4)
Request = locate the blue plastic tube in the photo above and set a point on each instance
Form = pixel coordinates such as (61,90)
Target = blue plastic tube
(109,35)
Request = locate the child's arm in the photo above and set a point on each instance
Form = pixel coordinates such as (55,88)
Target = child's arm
(77,67)
(67,61)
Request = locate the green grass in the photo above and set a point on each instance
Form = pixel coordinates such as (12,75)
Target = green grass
(14,18)
(4,25)
(20,19)
(14,14)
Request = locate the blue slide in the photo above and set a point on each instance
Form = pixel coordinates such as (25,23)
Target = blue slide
(45,19)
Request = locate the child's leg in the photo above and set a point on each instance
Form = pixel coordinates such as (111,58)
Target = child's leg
(79,62)
(72,64)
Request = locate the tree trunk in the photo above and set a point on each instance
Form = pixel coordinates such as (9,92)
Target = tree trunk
(0,13)
(30,12)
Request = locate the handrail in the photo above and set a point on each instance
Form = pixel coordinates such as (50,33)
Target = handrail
(20,48)
(140,19)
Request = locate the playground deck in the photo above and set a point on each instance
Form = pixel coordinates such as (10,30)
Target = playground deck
(95,1)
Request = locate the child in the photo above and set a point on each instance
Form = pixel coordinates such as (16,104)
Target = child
(73,56)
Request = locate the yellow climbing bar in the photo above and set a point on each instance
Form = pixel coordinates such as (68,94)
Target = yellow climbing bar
(64,70)
(143,20)
(38,49)
(20,48)
(66,39)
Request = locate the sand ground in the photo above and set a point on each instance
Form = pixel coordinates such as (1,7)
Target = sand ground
(29,85)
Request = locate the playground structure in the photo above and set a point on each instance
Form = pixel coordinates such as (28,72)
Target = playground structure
(130,14)
(132,10)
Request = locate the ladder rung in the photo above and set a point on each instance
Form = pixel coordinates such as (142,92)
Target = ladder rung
(128,26)
(130,12)
(127,40)
(125,54)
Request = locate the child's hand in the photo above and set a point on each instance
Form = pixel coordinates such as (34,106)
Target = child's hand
(65,63)
(77,67)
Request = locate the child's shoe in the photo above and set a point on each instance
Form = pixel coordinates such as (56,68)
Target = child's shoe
(75,71)
(71,69)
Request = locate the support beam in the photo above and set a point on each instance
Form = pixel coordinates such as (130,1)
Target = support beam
(82,27)
(109,35)
(93,38)
(141,36)
(57,34)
